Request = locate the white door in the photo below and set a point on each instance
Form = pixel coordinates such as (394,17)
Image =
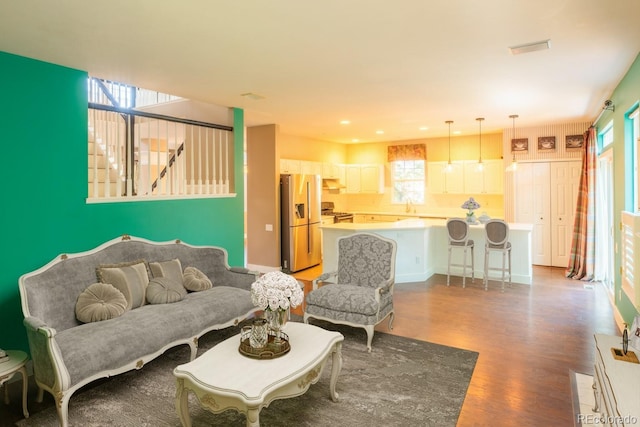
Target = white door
(604,267)
(565,183)
(532,206)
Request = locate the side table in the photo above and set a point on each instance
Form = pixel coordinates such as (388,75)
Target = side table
(16,363)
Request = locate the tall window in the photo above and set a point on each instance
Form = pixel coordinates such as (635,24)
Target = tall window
(407,172)
(408,181)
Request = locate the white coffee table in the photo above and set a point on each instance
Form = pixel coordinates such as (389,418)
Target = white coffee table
(222,378)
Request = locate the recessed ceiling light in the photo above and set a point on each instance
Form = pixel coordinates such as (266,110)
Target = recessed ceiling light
(456,132)
(345,122)
(530,47)
(379,132)
(252,96)
(423,128)
(355,140)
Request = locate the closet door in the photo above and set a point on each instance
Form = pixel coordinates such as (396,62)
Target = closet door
(532,206)
(565,183)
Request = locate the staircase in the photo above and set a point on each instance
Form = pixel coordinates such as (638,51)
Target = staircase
(150,151)
(105,175)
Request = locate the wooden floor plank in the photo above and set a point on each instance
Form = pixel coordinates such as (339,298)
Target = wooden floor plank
(529,339)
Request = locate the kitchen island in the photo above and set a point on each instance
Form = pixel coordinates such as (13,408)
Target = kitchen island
(422,248)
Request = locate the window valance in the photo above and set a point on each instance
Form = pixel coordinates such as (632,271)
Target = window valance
(406,152)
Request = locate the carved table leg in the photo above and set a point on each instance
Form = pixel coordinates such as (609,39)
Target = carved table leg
(336,367)
(253,417)
(182,403)
(25,385)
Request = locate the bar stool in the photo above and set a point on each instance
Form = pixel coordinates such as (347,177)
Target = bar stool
(458,231)
(497,234)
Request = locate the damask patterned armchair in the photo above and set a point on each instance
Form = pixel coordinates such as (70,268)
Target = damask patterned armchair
(360,292)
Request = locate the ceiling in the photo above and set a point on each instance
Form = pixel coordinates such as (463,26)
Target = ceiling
(391,67)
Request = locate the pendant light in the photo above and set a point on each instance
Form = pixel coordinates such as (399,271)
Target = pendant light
(449,167)
(480,166)
(514,164)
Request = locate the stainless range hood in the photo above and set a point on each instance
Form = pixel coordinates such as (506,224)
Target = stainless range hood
(331,184)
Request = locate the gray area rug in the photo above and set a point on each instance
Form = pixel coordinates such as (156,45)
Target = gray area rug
(402,382)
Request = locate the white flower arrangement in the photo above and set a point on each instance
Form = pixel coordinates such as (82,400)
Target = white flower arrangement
(276,291)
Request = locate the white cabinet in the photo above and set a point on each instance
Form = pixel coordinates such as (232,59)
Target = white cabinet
(354,181)
(366,178)
(300,166)
(488,180)
(372,178)
(289,166)
(615,384)
(545,195)
(465,177)
(310,168)
(441,181)
(333,171)
(371,218)
(359,218)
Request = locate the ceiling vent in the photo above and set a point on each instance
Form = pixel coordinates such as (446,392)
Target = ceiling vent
(252,96)
(530,47)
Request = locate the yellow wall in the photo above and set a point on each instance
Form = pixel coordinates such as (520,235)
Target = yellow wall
(465,147)
(300,148)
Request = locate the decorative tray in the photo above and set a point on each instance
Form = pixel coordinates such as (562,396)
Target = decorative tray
(271,350)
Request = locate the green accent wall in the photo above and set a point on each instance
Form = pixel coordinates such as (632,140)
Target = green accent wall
(43,179)
(625,96)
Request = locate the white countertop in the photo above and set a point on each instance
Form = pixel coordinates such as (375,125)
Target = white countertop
(408,224)
(449,213)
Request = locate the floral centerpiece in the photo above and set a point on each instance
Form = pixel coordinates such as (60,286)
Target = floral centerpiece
(276,292)
(470,205)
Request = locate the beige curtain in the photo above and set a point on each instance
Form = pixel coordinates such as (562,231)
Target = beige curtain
(406,152)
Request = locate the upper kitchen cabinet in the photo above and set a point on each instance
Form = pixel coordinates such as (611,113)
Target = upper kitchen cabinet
(441,182)
(310,168)
(365,178)
(489,180)
(290,166)
(333,171)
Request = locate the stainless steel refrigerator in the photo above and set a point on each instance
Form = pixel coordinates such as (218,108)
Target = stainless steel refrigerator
(300,215)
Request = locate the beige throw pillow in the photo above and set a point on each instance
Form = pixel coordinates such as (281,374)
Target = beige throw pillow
(129,278)
(195,280)
(164,290)
(171,269)
(100,301)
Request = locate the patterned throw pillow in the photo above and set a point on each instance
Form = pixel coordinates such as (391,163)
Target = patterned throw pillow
(100,301)
(164,290)
(129,278)
(195,280)
(171,269)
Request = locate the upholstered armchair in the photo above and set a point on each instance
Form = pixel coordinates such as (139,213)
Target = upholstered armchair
(360,292)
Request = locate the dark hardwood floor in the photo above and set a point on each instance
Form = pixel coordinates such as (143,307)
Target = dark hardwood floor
(529,339)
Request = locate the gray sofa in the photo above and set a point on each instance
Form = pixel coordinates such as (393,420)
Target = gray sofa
(68,354)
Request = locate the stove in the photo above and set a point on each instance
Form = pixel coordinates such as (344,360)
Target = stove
(327,209)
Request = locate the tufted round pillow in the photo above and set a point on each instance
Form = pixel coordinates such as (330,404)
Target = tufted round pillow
(195,280)
(163,290)
(100,301)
